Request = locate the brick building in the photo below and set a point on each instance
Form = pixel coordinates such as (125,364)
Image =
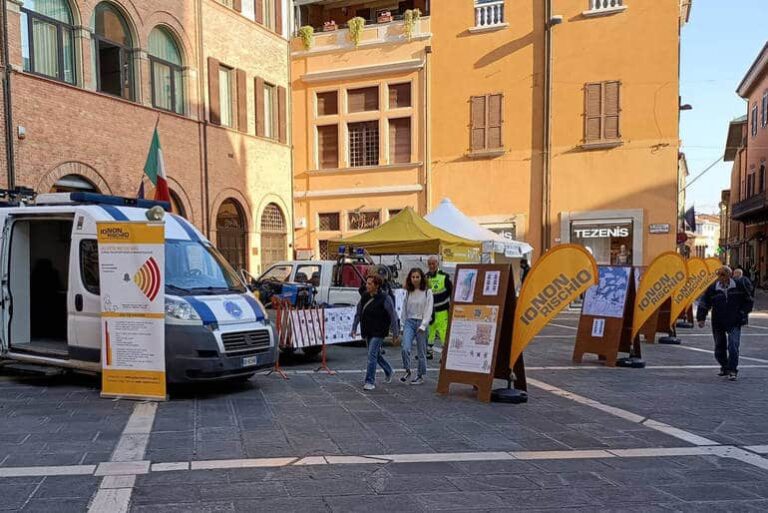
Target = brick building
(90,79)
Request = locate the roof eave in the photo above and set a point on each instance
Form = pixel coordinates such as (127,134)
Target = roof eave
(755,70)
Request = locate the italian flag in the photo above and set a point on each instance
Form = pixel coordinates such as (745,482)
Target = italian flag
(155,169)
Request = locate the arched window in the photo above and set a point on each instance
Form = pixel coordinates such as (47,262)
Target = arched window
(231,233)
(177,207)
(167,82)
(73,183)
(274,236)
(48,39)
(112,52)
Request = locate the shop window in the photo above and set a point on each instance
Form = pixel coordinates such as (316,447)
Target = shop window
(363,144)
(113,52)
(47,39)
(328,103)
(328,146)
(399,141)
(329,222)
(363,100)
(602,112)
(399,95)
(486,118)
(609,242)
(166,74)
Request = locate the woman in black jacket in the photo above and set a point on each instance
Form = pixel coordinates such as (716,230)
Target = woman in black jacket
(376,317)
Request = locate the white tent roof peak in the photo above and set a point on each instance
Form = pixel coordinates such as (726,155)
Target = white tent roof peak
(449,218)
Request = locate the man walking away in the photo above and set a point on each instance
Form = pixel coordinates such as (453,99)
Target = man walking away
(730,302)
(442,290)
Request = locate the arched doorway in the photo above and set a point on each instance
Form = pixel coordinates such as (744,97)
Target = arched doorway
(231,233)
(274,236)
(73,183)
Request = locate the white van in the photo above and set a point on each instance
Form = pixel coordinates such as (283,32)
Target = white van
(49,265)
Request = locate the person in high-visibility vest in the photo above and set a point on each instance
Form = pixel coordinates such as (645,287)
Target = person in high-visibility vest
(442,289)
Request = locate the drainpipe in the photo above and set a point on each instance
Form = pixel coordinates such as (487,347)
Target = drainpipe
(546,188)
(426,130)
(203,123)
(7,103)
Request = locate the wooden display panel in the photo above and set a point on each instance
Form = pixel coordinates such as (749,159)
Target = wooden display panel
(504,299)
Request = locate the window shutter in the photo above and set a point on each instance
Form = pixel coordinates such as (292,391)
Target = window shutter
(611,110)
(592,112)
(214,104)
(328,146)
(279,17)
(258,86)
(282,128)
(478,125)
(258,11)
(495,120)
(399,141)
(242,104)
(363,100)
(237,5)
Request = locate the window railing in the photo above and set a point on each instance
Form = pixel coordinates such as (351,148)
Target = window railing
(489,14)
(605,5)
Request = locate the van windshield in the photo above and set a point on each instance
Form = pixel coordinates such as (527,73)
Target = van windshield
(192,268)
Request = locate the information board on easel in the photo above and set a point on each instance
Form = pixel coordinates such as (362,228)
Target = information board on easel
(479,334)
(605,315)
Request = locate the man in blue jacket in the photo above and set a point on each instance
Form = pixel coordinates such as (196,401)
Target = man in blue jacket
(730,301)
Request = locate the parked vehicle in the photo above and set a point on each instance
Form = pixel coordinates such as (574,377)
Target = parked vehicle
(215,328)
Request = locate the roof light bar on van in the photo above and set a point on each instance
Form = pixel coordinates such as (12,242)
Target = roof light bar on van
(90,198)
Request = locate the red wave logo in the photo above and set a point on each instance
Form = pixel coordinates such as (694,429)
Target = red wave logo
(147,278)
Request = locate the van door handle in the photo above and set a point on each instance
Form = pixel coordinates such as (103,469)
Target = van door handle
(79,302)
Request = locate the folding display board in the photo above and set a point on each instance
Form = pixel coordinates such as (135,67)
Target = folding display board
(606,314)
(479,338)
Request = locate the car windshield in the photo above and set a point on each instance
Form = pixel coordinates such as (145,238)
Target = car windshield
(194,268)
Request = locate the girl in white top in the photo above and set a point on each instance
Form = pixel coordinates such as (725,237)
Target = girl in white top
(416,316)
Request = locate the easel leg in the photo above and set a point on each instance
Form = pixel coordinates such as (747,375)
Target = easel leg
(324,365)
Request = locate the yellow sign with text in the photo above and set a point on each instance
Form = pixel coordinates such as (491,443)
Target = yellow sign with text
(558,278)
(698,280)
(663,279)
(713,264)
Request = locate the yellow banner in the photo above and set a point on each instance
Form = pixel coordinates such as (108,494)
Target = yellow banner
(713,264)
(131,233)
(132,383)
(698,274)
(558,278)
(666,275)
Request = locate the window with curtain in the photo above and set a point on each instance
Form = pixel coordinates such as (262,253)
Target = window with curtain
(47,39)
(167,81)
(226,97)
(112,52)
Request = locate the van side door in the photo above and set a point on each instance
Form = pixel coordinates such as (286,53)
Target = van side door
(5,292)
(84,301)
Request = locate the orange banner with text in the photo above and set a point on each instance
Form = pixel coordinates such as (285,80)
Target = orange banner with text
(698,280)
(713,264)
(666,275)
(558,278)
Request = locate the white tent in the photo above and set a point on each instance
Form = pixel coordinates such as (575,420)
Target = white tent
(449,218)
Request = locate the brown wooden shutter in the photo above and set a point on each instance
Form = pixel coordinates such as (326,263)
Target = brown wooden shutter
(242,104)
(611,110)
(214,103)
(279,17)
(593,100)
(258,11)
(478,125)
(258,95)
(328,146)
(282,112)
(495,120)
(399,141)
(237,5)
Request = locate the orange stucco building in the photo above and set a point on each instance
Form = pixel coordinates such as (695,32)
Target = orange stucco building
(550,122)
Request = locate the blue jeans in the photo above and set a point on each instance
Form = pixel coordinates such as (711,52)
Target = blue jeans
(375,357)
(410,332)
(727,348)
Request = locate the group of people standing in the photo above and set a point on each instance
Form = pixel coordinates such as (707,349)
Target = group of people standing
(424,318)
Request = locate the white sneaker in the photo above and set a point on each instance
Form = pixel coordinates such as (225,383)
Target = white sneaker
(369,386)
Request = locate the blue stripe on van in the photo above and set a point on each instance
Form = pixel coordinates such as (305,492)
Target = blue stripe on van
(205,313)
(255,306)
(187,227)
(114,212)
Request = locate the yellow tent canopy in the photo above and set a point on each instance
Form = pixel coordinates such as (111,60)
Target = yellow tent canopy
(410,234)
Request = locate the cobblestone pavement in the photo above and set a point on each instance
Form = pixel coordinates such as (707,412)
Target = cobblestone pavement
(671,437)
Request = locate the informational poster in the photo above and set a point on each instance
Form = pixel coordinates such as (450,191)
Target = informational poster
(132,278)
(466,280)
(598,328)
(608,298)
(491,284)
(338,325)
(473,336)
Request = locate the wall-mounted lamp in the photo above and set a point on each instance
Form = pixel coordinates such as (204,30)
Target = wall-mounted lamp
(686,106)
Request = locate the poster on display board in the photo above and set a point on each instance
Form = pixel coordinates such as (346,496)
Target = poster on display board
(473,336)
(338,325)
(466,279)
(609,296)
(132,284)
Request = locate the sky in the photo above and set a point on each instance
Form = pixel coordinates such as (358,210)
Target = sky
(719,44)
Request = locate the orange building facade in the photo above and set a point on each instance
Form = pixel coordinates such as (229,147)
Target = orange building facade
(545,123)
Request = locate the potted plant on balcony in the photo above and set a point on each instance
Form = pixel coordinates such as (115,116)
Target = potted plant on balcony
(307,35)
(410,18)
(356,26)
(384,17)
(330,26)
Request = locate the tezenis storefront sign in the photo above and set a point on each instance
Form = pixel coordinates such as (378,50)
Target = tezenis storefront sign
(601,233)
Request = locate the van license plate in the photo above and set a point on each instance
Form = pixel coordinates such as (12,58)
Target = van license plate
(250,360)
